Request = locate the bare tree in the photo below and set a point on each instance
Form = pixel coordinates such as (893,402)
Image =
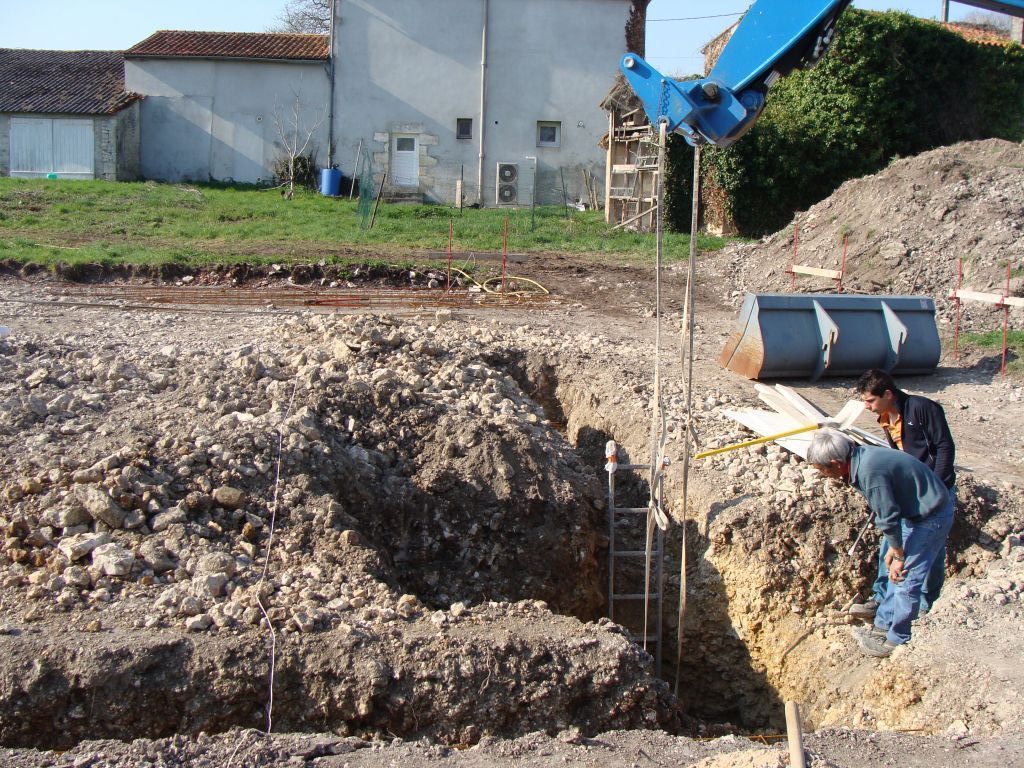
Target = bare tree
(997,22)
(305,16)
(295,138)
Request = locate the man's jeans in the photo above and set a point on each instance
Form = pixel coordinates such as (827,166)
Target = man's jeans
(924,541)
(929,590)
(932,584)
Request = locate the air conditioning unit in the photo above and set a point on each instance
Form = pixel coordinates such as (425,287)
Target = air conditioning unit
(507,192)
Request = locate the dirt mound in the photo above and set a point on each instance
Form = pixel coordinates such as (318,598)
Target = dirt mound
(907,226)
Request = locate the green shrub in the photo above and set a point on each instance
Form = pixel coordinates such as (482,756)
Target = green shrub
(307,171)
(892,86)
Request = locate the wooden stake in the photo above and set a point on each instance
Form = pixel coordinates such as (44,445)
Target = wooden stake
(355,169)
(376,204)
(794,735)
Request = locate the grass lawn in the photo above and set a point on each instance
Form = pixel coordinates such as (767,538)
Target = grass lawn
(993,341)
(97,222)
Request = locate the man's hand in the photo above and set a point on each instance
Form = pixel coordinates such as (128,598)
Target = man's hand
(894,559)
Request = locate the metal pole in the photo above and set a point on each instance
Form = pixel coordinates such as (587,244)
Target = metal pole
(483,93)
(504,256)
(1006,317)
(449,255)
(792,266)
(688,330)
(842,267)
(956,330)
(330,76)
(611,455)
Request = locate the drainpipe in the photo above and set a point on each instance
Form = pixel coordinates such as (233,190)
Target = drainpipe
(330,80)
(483,90)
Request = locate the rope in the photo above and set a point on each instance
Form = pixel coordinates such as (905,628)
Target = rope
(266,565)
(655,511)
(687,360)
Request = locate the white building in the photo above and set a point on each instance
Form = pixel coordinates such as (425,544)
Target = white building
(216,103)
(433,93)
(452,89)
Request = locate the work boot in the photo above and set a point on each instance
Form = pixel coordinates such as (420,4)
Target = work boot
(865,610)
(878,647)
(870,631)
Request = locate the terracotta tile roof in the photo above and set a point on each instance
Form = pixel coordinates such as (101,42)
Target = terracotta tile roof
(231,45)
(74,82)
(978,33)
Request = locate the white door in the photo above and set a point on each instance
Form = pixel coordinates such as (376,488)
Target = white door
(40,146)
(405,161)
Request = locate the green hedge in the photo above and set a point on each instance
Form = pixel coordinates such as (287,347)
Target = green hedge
(892,86)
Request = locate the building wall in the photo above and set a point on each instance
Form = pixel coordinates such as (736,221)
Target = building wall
(219,120)
(414,68)
(127,143)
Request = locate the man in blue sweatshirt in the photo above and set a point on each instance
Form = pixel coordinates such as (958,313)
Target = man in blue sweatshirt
(916,425)
(913,510)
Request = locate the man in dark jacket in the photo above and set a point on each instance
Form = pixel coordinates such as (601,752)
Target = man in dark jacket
(914,425)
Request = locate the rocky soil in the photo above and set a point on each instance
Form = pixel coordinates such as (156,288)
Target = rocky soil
(390,530)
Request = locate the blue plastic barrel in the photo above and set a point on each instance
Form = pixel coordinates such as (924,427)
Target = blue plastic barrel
(330,182)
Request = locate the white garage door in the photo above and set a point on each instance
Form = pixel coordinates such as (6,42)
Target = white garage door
(41,146)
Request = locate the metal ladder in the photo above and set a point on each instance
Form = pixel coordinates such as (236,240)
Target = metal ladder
(653,596)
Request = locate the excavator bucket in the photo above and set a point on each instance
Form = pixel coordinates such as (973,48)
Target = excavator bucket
(810,335)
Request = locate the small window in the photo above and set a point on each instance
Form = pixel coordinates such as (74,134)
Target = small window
(405,144)
(549,134)
(463,128)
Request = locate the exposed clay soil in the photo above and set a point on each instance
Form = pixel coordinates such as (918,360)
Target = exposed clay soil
(415,503)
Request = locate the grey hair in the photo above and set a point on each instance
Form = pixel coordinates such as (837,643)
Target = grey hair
(829,445)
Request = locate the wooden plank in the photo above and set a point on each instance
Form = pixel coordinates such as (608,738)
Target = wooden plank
(813,412)
(988,298)
(849,413)
(866,437)
(624,168)
(767,423)
(834,274)
(631,219)
(773,399)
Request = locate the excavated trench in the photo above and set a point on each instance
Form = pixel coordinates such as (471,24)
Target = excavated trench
(423,572)
(435,572)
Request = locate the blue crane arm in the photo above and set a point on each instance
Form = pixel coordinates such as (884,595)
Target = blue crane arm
(773,38)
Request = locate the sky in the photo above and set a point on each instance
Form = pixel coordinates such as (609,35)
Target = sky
(672,46)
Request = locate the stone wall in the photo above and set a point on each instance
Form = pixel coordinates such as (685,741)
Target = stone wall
(127,143)
(5,145)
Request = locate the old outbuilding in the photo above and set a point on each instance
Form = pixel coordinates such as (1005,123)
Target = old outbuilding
(67,114)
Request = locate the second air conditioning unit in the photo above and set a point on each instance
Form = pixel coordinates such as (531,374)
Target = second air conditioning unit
(507,191)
